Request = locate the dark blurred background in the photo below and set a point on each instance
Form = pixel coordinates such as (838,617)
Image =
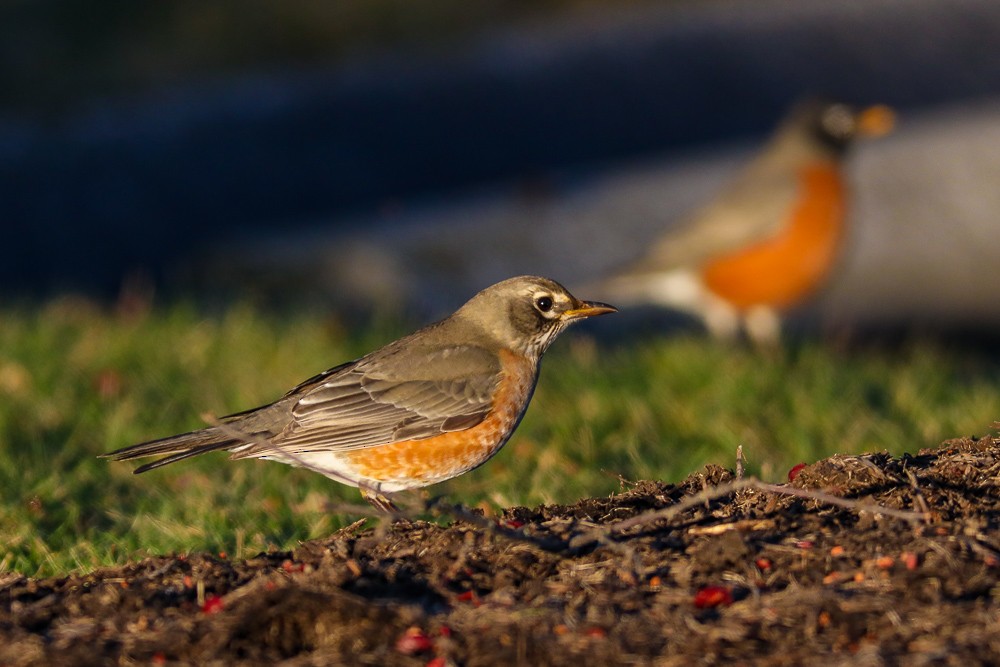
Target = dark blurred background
(412,152)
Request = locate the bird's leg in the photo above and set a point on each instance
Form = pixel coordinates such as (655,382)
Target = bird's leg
(378,500)
(763,326)
(720,318)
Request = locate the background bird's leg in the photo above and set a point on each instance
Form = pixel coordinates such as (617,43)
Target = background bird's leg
(720,318)
(763,326)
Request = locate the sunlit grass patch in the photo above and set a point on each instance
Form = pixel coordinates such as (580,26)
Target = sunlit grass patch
(76,381)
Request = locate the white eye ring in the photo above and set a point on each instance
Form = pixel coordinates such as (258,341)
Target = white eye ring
(544,303)
(839,121)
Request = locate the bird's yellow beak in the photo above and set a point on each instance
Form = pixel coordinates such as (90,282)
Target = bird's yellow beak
(876,121)
(588,309)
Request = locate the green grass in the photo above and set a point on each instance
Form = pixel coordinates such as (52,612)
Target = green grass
(76,381)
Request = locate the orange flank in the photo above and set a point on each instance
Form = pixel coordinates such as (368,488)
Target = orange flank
(782,270)
(452,453)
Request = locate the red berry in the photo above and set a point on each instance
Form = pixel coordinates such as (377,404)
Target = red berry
(413,641)
(290,566)
(213,604)
(469,596)
(794,472)
(713,596)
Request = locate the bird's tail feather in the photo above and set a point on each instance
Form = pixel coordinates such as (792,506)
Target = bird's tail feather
(176,447)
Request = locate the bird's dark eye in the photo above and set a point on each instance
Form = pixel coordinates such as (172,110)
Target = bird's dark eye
(543,303)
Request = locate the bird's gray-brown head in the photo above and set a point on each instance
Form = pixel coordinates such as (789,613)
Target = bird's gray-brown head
(834,125)
(526,313)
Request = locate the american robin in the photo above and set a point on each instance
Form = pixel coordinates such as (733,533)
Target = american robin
(769,240)
(420,410)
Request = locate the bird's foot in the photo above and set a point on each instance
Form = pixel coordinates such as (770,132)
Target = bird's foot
(379,501)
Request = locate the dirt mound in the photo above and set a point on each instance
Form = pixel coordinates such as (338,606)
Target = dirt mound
(750,576)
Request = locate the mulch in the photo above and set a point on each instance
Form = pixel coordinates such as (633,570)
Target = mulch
(750,577)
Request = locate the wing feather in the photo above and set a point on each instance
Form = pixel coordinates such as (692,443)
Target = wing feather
(402,394)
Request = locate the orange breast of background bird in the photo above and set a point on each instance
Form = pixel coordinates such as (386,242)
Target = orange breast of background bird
(782,270)
(449,454)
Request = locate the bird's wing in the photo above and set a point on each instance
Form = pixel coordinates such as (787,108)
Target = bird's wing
(753,208)
(408,392)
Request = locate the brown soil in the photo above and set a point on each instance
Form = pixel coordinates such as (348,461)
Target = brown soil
(752,577)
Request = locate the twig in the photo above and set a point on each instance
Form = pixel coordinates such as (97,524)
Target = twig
(917,493)
(721,490)
(704,496)
(846,503)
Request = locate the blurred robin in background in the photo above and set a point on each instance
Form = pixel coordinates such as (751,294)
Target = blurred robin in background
(421,410)
(769,240)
